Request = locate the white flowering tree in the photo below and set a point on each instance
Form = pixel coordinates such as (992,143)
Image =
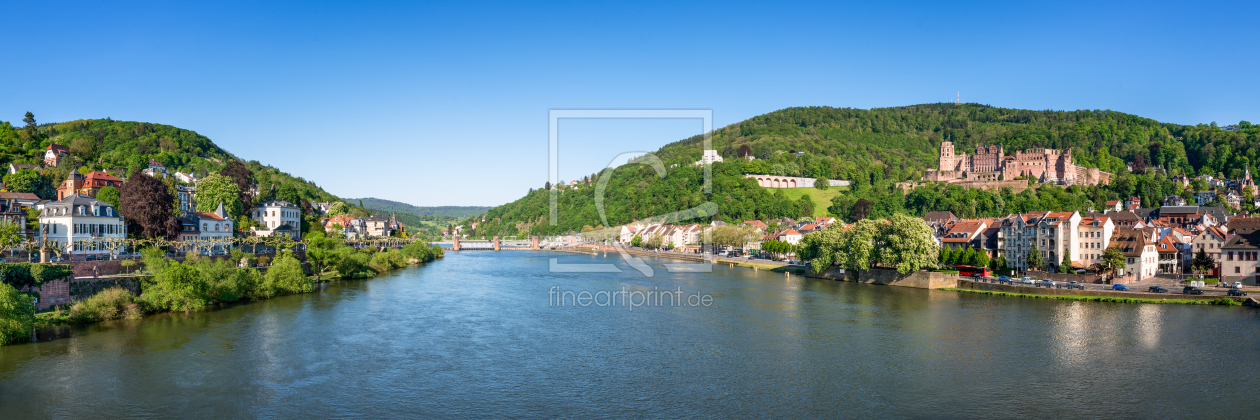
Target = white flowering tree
(907,243)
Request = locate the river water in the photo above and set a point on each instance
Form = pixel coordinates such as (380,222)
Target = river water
(479,335)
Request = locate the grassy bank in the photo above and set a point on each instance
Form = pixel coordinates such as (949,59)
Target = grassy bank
(198,283)
(1222,301)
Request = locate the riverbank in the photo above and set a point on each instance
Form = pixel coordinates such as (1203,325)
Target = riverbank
(773,266)
(198,283)
(1224,301)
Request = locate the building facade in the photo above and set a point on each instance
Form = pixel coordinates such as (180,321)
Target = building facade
(81,225)
(278,217)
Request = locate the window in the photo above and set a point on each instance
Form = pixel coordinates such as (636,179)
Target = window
(1237,270)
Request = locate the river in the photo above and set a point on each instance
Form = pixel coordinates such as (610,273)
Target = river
(478,335)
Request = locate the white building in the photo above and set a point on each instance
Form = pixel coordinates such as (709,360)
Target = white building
(186,178)
(155,169)
(1141,257)
(278,217)
(187,197)
(79,224)
(1094,235)
(709,157)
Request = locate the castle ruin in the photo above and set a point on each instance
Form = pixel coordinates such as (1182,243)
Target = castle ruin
(990,164)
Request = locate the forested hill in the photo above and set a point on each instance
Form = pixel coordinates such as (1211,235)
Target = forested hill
(126,146)
(400,207)
(878,147)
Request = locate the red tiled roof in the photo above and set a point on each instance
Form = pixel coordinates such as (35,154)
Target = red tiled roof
(210,216)
(58,148)
(6,195)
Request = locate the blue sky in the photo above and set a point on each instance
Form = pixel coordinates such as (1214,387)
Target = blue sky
(446,104)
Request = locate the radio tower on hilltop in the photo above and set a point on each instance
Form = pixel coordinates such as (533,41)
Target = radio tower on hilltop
(958,99)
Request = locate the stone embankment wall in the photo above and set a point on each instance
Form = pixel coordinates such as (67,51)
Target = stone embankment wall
(68,290)
(1011,288)
(890,277)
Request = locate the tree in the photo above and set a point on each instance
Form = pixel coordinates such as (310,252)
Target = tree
(1139,164)
(30,182)
(861,209)
(744,151)
(175,287)
(1066,266)
(982,259)
(85,148)
(1034,259)
(10,234)
(1202,262)
(29,132)
(17,314)
(654,242)
(1112,259)
(108,195)
(244,179)
(339,208)
(285,276)
(822,184)
(636,241)
(147,205)
(215,189)
(907,242)
(289,193)
(947,256)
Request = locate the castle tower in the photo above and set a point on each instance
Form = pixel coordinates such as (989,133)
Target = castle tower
(947,156)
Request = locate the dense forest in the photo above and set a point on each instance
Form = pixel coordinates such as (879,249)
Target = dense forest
(879,147)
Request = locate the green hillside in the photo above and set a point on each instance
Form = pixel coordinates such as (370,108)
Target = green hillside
(399,207)
(877,148)
(127,146)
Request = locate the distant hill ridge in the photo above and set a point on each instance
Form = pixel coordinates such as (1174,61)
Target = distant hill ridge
(400,207)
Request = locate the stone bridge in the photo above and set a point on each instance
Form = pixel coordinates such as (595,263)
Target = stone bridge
(775,181)
(495,244)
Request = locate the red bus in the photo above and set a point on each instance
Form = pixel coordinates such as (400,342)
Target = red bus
(971,271)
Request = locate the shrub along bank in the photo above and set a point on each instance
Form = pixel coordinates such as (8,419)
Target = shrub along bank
(199,282)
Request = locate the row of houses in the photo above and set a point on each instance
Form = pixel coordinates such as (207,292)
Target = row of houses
(363,227)
(1153,241)
(688,238)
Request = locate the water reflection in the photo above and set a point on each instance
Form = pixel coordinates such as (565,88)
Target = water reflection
(1071,333)
(1150,325)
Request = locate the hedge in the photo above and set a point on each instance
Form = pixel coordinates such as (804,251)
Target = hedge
(19,275)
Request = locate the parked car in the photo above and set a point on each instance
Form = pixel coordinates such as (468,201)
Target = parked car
(1027,280)
(1191,290)
(1238,285)
(1157,289)
(1236,292)
(1074,285)
(1047,283)
(1004,278)
(1120,287)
